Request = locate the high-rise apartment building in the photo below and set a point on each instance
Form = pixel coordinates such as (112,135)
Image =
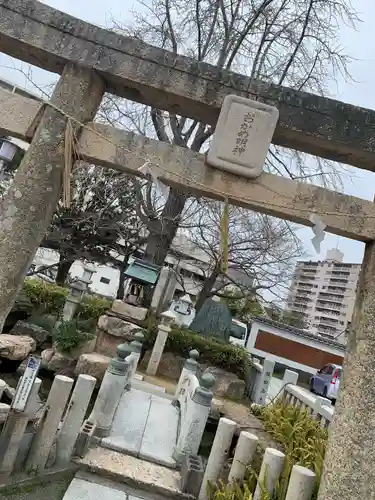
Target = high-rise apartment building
(324,293)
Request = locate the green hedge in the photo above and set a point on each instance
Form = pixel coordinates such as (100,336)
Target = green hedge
(43,295)
(181,340)
(49,298)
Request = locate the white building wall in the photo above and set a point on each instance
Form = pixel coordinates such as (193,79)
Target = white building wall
(250,346)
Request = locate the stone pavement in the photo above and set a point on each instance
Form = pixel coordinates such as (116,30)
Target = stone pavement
(145,426)
(87,486)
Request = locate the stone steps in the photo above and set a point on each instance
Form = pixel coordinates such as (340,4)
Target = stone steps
(133,472)
(88,486)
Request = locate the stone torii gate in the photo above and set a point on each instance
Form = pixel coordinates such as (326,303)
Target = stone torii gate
(91,61)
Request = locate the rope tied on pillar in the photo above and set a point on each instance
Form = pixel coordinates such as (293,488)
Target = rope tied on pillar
(224,236)
(68,164)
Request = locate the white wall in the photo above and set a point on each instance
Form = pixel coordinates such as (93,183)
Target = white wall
(250,346)
(45,257)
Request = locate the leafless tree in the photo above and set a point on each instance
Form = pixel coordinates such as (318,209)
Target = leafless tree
(285,42)
(101,224)
(261,253)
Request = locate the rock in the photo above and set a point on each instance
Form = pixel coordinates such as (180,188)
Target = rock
(85,348)
(39,334)
(227,384)
(128,310)
(46,356)
(62,364)
(217,409)
(170,365)
(116,326)
(111,332)
(93,364)
(16,347)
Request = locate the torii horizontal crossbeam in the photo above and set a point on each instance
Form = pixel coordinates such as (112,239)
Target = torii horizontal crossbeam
(295,201)
(45,37)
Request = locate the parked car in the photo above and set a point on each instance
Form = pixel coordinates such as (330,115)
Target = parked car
(326,382)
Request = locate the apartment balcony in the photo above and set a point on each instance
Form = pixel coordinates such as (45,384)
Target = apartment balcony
(329,321)
(308,270)
(340,273)
(338,281)
(329,305)
(305,286)
(305,278)
(326,311)
(331,297)
(337,290)
(300,292)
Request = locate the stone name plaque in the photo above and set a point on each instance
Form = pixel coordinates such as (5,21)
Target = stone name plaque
(242,137)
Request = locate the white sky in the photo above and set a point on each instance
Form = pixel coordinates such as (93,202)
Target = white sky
(357,44)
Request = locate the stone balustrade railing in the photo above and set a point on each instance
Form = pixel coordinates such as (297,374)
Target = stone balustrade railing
(320,408)
(193,396)
(302,481)
(61,431)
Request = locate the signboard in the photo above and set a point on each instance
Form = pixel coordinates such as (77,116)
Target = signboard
(242,136)
(26,384)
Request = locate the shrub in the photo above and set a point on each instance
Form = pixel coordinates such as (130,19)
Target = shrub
(181,340)
(93,307)
(303,442)
(46,321)
(45,297)
(67,336)
(302,438)
(50,298)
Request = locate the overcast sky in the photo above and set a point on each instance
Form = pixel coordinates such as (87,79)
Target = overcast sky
(357,44)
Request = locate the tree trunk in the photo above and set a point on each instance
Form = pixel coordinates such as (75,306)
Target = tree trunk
(27,208)
(122,279)
(207,287)
(158,243)
(63,269)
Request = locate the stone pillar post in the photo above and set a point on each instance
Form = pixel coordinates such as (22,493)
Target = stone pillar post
(136,346)
(219,452)
(27,208)
(270,471)
(192,428)
(110,392)
(243,456)
(349,465)
(301,484)
(190,366)
(13,431)
(290,377)
(263,382)
(46,433)
(74,417)
(157,351)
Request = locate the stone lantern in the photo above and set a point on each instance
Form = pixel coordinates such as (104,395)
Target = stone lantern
(8,150)
(184,305)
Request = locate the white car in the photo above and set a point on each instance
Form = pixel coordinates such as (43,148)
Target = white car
(326,382)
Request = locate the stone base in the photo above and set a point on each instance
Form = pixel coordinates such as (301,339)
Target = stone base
(133,472)
(129,311)
(93,364)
